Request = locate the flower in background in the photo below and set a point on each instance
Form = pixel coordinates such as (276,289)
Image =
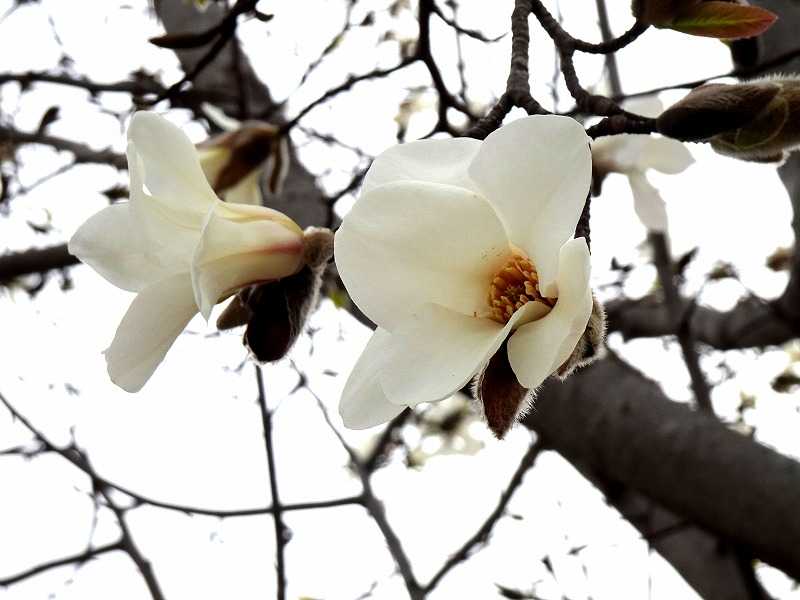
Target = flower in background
(235,160)
(177,246)
(632,155)
(461,250)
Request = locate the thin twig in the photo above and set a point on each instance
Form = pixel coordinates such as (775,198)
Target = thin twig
(665,269)
(75,559)
(481,536)
(281,537)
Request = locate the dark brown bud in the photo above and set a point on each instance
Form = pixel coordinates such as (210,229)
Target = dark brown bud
(715,108)
(502,397)
(276,312)
(772,133)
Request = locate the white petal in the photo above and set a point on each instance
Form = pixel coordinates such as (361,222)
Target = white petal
(434,161)
(113,246)
(647,202)
(437,351)
(408,243)
(172,170)
(363,402)
(647,106)
(619,153)
(170,233)
(217,116)
(538,348)
(536,173)
(665,155)
(241,245)
(156,317)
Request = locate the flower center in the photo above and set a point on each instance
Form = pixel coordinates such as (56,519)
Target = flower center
(516,284)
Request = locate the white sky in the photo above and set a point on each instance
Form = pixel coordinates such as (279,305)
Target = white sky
(193,435)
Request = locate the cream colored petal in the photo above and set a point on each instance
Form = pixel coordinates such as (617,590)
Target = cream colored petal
(434,161)
(171,168)
(241,245)
(407,243)
(212,160)
(113,246)
(436,352)
(169,233)
(363,402)
(619,153)
(665,155)
(158,314)
(647,202)
(539,347)
(536,173)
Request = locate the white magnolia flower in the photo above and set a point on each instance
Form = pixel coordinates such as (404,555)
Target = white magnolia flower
(178,246)
(633,155)
(234,161)
(456,244)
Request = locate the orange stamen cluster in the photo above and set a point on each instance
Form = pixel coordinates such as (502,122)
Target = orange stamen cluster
(516,284)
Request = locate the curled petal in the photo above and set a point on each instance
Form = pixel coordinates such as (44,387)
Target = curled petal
(434,161)
(170,233)
(408,243)
(363,402)
(536,173)
(110,244)
(648,203)
(169,163)
(156,317)
(537,349)
(436,351)
(241,245)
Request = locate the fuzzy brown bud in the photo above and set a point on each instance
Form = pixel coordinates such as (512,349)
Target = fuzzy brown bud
(502,398)
(772,133)
(276,312)
(716,108)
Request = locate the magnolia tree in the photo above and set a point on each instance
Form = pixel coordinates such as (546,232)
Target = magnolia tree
(467,251)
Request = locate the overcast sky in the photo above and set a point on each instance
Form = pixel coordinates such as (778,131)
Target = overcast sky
(193,435)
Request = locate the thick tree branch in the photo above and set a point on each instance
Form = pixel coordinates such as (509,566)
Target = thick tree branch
(620,425)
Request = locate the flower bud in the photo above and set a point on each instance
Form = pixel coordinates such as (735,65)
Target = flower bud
(275,312)
(757,121)
(715,108)
(234,160)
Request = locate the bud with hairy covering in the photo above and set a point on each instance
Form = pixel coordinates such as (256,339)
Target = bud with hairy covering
(758,120)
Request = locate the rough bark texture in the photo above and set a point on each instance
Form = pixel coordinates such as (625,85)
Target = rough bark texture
(712,567)
(621,426)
